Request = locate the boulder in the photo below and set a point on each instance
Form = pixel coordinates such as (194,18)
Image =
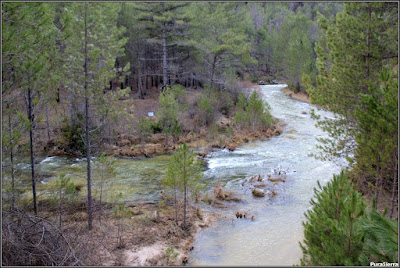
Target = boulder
(258,193)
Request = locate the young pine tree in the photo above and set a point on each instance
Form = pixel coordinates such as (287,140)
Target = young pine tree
(332,232)
(184,174)
(168,113)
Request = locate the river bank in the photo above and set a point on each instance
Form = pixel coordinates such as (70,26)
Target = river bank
(301,96)
(222,133)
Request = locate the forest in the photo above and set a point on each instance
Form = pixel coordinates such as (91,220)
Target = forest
(118,119)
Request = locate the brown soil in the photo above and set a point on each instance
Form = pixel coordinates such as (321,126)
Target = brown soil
(145,237)
(298,96)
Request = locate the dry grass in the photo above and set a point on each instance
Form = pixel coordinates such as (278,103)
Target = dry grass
(145,238)
(301,96)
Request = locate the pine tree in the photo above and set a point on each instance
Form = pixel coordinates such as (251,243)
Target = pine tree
(380,239)
(168,113)
(332,232)
(28,33)
(221,37)
(183,173)
(377,152)
(355,47)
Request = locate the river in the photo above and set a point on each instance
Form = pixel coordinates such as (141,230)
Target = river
(273,237)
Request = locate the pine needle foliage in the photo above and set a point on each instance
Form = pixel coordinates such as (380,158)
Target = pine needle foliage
(380,239)
(333,233)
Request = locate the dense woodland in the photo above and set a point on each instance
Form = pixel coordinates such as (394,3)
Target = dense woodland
(92,59)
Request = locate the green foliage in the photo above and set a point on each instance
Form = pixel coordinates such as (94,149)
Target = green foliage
(72,136)
(206,110)
(354,49)
(146,127)
(332,232)
(105,169)
(377,152)
(179,92)
(168,113)
(170,254)
(183,174)
(293,52)
(252,112)
(121,212)
(345,72)
(380,239)
(66,194)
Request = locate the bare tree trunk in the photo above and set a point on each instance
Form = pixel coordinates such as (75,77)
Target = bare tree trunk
(368,43)
(212,71)
(47,123)
(185,190)
(220,76)
(72,106)
(140,83)
(60,204)
(101,192)
(176,205)
(377,180)
(89,182)
(146,84)
(394,188)
(31,126)
(165,64)
(12,161)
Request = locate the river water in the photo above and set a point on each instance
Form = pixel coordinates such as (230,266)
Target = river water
(272,239)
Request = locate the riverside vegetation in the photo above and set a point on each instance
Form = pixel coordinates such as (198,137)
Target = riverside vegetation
(82,78)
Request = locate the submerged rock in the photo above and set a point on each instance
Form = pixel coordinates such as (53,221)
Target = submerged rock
(277,179)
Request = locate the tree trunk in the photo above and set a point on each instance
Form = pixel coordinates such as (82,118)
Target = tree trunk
(60,205)
(394,188)
(12,162)
(185,190)
(31,126)
(368,43)
(72,106)
(89,182)
(47,123)
(146,86)
(176,205)
(101,192)
(140,83)
(212,71)
(377,183)
(165,64)
(220,76)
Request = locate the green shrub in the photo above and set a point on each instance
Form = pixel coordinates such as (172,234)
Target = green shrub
(72,135)
(206,110)
(168,113)
(252,112)
(179,92)
(253,79)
